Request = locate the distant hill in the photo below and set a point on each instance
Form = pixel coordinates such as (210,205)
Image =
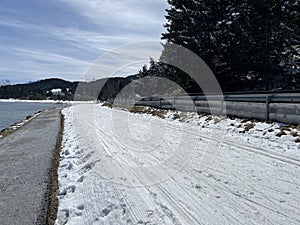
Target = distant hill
(58,89)
(103,89)
(40,90)
(4,82)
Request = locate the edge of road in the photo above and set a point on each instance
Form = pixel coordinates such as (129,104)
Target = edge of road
(51,195)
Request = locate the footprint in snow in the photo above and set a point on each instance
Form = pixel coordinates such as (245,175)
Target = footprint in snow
(66,152)
(78,211)
(63,216)
(62,193)
(80,180)
(89,166)
(80,207)
(71,189)
(69,166)
(105,212)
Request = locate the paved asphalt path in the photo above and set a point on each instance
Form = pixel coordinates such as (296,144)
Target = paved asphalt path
(25,160)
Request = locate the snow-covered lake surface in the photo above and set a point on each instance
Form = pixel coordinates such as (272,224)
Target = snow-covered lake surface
(13,112)
(124,168)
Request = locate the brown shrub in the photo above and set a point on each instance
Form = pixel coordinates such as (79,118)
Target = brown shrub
(248,126)
(286,128)
(280,133)
(294,134)
(107,104)
(176,116)
(209,118)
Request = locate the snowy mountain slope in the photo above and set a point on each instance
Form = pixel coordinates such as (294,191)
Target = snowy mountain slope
(123,168)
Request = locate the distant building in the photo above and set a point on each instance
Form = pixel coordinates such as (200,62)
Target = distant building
(57,91)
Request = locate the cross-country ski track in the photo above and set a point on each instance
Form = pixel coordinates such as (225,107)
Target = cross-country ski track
(119,167)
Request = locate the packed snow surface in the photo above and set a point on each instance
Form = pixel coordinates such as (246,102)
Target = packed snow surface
(119,167)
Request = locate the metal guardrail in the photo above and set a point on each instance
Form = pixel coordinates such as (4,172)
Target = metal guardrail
(271,98)
(282,107)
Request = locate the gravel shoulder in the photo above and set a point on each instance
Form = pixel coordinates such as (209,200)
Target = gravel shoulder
(26,158)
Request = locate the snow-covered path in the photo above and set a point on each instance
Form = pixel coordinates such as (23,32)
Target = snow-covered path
(124,168)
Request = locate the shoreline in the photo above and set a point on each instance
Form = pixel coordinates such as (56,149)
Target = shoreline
(47,101)
(27,118)
(13,127)
(35,101)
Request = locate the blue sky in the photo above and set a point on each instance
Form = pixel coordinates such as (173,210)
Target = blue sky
(62,38)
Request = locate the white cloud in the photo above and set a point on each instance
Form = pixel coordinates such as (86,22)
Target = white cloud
(37,64)
(67,50)
(119,15)
(19,24)
(89,40)
(49,58)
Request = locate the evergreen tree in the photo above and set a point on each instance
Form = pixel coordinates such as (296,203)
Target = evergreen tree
(245,42)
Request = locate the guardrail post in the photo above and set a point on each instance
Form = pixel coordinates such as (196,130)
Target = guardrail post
(222,106)
(268,99)
(160,103)
(194,107)
(174,102)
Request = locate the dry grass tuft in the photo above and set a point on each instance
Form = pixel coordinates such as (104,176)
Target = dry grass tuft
(286,128)
(244,120)
(249,126)
(183,117)
(217,120)
(176,116)
(159,113)
(5,132)
(108,104)
(210,117)
(138,109)
(294,134)
(280,133)
(155,112)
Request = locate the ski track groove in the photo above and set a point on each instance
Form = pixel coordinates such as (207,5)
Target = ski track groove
(252,149)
